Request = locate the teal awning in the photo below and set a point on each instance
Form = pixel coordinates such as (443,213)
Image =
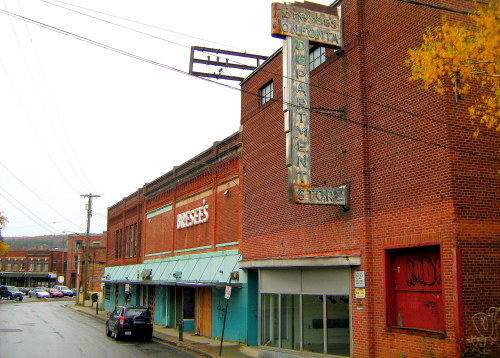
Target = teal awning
(207,269)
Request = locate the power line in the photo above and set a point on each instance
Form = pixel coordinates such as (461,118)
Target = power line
(55,107)
(34,128)
(47,225)
(320,87)
(115,24)
(413,2)
(378,129)
(248,92)
(37,196)
(135,22)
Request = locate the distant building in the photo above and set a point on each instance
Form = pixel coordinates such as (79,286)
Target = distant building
(32,268)
(74,244)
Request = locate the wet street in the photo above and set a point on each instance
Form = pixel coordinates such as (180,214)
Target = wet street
(35,328)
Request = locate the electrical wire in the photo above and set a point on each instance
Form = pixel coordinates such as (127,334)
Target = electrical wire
(313,110)
(218,83)
(61,123)
(137,22)
(437,7)
(317,86)
(118,25)
(35,130)
(37,196)
(44,225)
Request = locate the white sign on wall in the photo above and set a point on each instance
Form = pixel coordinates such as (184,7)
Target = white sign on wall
(193,217)
(359,279)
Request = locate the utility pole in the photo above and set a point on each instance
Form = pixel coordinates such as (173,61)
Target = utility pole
(86,248)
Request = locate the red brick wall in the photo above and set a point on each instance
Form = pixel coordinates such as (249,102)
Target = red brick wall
(212,178)
(396,148)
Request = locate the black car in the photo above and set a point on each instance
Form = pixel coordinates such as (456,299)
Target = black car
(11,292)
(130,321)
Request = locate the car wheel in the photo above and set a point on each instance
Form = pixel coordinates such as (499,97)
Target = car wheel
(11,297)
(108,332)
(20,298)
(116,336)
(148,337)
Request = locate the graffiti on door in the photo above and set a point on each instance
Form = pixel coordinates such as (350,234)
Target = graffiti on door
(423,270)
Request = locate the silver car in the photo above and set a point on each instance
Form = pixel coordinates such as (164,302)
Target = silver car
(39,292)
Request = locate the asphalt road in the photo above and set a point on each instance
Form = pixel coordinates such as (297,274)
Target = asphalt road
(45,328)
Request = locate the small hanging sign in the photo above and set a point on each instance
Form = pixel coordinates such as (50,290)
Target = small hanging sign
(228,292)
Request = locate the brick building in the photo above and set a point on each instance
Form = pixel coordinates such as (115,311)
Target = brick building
(410,267)
(406,266)
(174,246)
(74,243)
(31,268)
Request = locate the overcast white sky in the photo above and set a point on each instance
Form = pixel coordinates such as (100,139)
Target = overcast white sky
(79,119)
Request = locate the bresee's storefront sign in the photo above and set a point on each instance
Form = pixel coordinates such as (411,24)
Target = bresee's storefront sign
(193,217)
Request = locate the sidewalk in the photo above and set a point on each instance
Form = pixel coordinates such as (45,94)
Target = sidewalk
(206,347)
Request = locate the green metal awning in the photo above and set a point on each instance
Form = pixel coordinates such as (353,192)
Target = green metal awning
(207,269)
(12,274)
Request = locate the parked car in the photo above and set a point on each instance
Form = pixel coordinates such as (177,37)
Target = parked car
(54,293)
(39,292)
(65,290)
(24,290)
(11,292)
(130,321)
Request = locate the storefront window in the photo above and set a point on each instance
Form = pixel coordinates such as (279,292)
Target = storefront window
(317,322)
(313,323)
(290,322)
(306,310)
(337,316)
(270,320)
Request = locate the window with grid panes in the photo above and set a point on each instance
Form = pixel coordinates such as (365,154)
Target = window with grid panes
(316,57)
(266,93)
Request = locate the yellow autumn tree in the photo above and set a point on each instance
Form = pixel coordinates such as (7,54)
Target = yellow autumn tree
(3,246)
(462,58)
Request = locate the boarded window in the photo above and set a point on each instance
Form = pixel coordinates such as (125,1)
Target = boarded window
(414,291)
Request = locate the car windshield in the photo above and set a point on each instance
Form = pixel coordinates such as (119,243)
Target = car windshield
(135,312)
(12,289)
(63,288)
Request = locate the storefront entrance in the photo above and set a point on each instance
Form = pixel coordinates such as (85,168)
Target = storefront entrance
(306,310)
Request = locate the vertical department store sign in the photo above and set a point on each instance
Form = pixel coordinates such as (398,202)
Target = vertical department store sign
(299,25)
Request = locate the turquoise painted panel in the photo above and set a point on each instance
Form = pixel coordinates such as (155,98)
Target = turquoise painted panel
(237,314)
(160,305)
(253,308)
(189,325)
